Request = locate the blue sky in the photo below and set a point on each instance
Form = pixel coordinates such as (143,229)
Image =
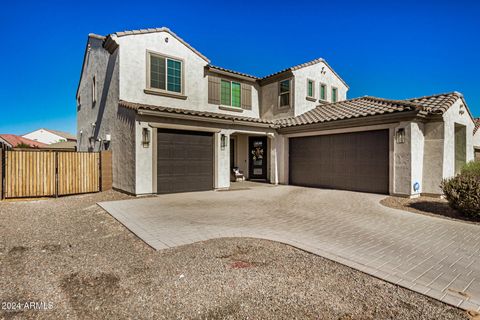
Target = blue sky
(391,50)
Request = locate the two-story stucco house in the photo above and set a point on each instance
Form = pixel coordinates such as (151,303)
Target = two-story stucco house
(175,123)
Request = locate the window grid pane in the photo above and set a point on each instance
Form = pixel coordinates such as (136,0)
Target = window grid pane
(174,75)
(236,93)
(225,93)
(157,72)
(285,86)
(310,88)
(284,99)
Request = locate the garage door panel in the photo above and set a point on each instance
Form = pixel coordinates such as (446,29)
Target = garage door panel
(351,161)
(184,161)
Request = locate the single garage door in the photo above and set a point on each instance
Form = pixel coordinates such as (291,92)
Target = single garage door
(184,161)
(355,161)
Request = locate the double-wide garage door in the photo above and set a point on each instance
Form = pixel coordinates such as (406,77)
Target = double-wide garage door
(184,161)
(357,161)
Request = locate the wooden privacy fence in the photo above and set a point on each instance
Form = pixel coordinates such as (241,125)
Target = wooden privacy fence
(54,173)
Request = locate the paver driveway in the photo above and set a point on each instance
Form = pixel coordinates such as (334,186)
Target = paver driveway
(433,256)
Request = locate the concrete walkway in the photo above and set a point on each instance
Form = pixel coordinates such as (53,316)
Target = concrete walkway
(433,256)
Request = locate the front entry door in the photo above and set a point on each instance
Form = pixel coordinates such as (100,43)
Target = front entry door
(258,158)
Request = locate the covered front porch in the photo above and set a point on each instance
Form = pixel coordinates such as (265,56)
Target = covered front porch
(253,155)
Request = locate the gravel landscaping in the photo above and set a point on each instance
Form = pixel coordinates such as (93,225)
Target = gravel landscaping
(71,253)
(428,206)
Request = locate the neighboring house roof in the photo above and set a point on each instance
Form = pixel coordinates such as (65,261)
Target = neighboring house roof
(13,140)
(140,106)
(347,109)
(62,134)
(477,125)
(303,65)
(368,106)
(65,145)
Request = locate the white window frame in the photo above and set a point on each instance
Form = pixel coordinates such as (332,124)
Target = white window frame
(166,57)
(336,94)
(289,93)
(313,88)
(320,92)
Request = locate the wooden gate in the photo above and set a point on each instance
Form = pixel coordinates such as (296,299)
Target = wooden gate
(50,173)
(29,174)
(78,172)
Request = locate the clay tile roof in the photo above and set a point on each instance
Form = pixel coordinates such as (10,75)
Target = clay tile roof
(15,140)
(348,109)
(477,125)
(438,103)
(140,106)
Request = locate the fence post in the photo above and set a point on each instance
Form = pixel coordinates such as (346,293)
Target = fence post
(106,173)
(1,174)
(56,174)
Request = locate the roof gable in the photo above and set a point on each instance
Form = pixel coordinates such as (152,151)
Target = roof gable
(304,65)
(155,30)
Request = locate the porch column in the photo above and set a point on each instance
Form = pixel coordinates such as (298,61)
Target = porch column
(222,159)
(273,140)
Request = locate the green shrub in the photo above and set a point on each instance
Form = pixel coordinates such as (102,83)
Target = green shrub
(463,191)
(472,167)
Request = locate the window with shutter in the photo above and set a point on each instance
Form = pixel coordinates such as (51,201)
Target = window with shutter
(213,90)
(246,96)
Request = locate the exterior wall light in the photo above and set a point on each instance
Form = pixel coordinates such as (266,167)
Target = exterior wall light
(400,135)
(145,137)
(223,141)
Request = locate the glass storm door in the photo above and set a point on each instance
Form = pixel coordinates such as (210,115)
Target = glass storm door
(258,157)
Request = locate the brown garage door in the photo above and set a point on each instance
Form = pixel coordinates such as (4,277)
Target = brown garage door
(351,161)
(184,161)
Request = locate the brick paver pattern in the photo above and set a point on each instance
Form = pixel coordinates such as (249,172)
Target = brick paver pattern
(433,256)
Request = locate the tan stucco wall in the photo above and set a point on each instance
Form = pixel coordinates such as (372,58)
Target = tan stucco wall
(108,118)
(269,108)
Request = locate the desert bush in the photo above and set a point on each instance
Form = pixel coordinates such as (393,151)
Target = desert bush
(463,190)
(472,167)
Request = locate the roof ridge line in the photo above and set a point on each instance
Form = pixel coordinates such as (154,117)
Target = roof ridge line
(438,94)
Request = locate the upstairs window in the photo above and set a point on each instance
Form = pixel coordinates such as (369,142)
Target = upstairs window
(323,91)
(310,88)
(284,93)
(165,73)
(94,91)
(230,93)
(334,94)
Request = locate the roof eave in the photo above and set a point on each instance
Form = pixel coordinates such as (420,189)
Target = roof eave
(353,122)
(166,114)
